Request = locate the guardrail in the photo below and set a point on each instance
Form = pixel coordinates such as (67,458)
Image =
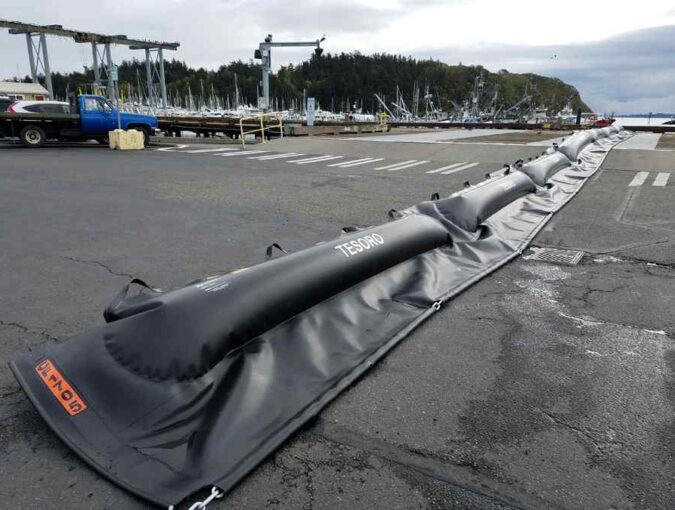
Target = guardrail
(263,126)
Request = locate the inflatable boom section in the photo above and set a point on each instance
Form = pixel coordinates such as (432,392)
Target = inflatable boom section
(192,388)
(223,314)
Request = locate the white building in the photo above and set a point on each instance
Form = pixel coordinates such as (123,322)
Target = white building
(17,91)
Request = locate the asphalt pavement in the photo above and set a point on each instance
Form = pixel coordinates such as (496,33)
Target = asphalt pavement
(542,386)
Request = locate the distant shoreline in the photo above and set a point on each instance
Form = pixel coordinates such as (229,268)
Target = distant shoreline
(646,115)
(641,121)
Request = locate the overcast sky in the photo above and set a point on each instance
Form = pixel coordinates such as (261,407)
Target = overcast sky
(620,55)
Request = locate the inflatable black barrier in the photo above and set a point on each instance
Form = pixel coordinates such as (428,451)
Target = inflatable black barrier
(192,388)
(469,209)
(541,169)
(573,145)
(227,312)
(606,131)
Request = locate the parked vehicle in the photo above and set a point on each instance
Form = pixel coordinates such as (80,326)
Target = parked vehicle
(90,118)
(39,107)
(5,101)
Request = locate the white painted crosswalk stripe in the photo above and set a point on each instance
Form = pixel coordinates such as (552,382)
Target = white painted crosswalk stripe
(460,168)
(277,156)
(395,165)
(661,179)
(299,158)
(218,149)
(348,162)
(639,179)
(314,160)
(448,167)
(173,148)
(409,165)
(239,153)
(355,162)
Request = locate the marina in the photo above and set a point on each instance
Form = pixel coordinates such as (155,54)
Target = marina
(440,286)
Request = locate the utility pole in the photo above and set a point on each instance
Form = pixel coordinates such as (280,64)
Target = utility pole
(264,53)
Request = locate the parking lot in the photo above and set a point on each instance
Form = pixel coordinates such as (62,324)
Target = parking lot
(542,386)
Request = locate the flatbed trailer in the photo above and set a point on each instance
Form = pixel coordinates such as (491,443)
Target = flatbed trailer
(55,125)
(94,119)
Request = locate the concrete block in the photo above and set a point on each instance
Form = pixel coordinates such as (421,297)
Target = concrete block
(126,140)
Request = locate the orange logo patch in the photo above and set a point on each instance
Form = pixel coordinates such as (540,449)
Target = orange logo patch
(60,388)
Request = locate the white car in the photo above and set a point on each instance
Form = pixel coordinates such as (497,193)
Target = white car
(39,107)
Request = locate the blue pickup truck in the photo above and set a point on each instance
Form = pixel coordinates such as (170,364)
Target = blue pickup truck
(90,118)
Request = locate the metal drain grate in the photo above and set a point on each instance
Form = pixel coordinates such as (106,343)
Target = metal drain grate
(563,257)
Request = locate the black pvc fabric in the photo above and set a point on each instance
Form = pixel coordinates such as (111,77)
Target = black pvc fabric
(192,388)
(470,209)
(541,169)
(576,143)
(223,314)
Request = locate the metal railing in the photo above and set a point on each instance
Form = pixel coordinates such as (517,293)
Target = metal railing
(263,126)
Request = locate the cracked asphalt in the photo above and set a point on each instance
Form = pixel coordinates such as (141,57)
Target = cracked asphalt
(542,386)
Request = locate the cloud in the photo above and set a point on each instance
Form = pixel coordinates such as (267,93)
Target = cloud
(633,65)
(628,72)
(326,16)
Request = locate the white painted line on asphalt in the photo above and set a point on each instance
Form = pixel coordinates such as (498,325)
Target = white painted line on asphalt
(639,179)
(460,168)
(395,165)
(311,158)
(277,156)
(548,142)
(446,167)
(661,179)
(314,160)
(347,162)
(486,143)
(417,163)
(173,148)
(240,153)
(640,141)
(370,160)
(200,151)
(354,162)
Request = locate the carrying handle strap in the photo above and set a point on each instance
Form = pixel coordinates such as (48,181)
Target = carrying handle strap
(353,228)
(122,295)
(435,196)
(394,214)
(270,250)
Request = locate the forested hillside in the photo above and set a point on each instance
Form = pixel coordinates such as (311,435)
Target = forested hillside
(340,81)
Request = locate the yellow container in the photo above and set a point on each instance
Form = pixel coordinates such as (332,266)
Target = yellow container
(130,140)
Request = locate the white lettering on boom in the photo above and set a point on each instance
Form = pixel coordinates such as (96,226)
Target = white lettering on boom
(356,246)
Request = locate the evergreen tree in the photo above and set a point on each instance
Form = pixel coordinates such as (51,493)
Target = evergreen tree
(341,79)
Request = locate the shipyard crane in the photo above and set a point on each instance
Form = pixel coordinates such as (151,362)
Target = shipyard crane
(264,53)
(39,59)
